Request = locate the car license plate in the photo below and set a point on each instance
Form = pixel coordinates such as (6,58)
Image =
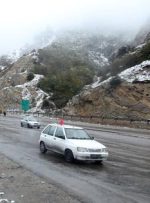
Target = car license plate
(95,156)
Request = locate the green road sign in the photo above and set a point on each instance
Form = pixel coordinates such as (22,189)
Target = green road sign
(25,105)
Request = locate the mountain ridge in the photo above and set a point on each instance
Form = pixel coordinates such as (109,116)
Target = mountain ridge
(66,66)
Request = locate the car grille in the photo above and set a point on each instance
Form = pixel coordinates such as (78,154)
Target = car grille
(95,156)
(94,150)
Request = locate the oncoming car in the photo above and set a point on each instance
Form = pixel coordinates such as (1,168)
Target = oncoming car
(30,122)
(73,142)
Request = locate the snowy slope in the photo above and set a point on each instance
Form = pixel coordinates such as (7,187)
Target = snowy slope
(27,95)
(139,72)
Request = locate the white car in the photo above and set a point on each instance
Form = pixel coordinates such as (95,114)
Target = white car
(73,142)
(30,122)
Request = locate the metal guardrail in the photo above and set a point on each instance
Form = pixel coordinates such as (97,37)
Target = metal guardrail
(91,118)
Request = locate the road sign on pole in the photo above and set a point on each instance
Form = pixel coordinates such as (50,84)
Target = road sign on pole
(25,105)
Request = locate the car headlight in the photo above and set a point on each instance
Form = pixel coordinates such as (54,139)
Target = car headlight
(82,149)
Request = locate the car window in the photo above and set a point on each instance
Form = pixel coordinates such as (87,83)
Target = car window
(72,133)
(52,130)
(49,130)
(46,130)
(31,119)
(59,133)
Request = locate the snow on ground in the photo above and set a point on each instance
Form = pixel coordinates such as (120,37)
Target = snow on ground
(136,72)
(25,92)
(33,82)
(95,84)
(26,95)
(98,58)
(140,46)
(98,83)
(22,73)
(2,68)
(39,100)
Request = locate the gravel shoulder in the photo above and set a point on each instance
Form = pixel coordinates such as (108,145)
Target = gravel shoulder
(22,186)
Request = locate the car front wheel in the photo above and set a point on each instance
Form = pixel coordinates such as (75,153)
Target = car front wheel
(21,125)
(100,162)
(43,149)
(69,156)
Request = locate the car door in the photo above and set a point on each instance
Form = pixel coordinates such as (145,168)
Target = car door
(25,121)
(59,140)
(48,135)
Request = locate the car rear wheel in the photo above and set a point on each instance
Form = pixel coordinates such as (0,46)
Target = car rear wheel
(69,156)
(43,149)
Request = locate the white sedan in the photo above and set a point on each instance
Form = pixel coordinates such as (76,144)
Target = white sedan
(30,122)
(73,142)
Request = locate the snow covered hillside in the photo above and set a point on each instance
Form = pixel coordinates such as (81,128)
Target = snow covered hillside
(128,98)
(140,72)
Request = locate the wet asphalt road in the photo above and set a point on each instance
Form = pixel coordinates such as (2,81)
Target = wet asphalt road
(123,178)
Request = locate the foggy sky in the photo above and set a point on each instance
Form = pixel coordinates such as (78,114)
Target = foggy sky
(21,20)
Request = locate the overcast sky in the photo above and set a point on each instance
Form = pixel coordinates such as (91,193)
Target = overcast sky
(21,20)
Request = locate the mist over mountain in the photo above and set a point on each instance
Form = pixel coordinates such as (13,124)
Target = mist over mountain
(21,21)
(143,34)
(75,38)
(64,69)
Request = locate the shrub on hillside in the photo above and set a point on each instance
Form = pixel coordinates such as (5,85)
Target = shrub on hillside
(115,82)
(65,84)
(145,52)
(30,76)
(127,61)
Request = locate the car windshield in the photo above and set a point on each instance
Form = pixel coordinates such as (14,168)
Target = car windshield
(31,119)
(72,133)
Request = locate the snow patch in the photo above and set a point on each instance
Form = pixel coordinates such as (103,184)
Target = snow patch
(26,95)
(140,46)
(136,73)
(33,82)
(98,83)
(2,68)
(98,58)
(39,101)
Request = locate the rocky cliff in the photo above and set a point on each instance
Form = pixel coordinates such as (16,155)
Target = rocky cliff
(14,86)
(128,98)
(114,93)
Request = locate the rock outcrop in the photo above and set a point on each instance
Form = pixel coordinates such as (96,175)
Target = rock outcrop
(129,99)
(14,86)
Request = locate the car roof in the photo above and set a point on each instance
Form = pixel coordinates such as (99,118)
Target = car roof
(29,116)
(65,126)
